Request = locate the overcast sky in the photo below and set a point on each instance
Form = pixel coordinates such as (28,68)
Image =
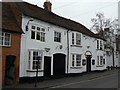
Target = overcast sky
(82,10)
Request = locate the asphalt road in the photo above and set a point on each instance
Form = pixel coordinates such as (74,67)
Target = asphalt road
(106,79)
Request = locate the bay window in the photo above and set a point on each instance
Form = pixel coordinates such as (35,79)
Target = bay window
(76,60)
(34,57)
(76,39)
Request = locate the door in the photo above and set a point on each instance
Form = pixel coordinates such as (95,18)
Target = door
(58,64)
(88,58)
(47,66)
(10,69)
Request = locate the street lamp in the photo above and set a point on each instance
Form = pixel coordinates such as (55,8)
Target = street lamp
(28,24)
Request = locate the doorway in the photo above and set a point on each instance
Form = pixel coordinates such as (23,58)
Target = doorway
(88,59)
(10,70)
(59,64)
(47,66)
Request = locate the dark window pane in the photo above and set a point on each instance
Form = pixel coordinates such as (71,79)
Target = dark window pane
(33,27)
(38,35)
(32,35)
(38,28)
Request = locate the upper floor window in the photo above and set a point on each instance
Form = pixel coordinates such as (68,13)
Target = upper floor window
(76,39)
(76,60)
(5,39)
(38,33)
(72,38)
(99,45)
(57,36)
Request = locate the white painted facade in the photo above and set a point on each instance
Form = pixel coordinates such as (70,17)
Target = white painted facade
(119,28)
(88,46)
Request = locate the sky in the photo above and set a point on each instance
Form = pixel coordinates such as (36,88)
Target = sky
(81,11)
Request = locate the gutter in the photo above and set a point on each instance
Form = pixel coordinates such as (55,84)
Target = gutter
(67,50)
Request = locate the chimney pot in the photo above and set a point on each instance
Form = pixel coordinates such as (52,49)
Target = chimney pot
(47,5)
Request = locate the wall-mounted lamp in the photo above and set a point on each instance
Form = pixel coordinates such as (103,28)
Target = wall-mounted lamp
(28,24)
(47,49)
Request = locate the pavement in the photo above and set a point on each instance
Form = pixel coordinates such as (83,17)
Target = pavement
(69,81)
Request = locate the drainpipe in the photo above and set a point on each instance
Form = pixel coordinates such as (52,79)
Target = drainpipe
(67,50)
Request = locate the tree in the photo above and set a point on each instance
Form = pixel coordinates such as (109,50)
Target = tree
(100,22)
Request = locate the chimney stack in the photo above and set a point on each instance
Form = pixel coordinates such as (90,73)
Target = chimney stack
(47,5)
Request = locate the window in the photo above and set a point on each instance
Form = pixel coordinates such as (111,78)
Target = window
(78,39)
(73,38)
(101,60)
(57,36)
(38,33)
(97,60)
(100,45)
(76,60)
(73,60)
(5,39)
(34,56)
(97,44)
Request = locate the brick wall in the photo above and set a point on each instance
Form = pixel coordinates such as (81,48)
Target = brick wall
(13,50)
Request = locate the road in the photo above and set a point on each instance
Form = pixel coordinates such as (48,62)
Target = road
(106,79)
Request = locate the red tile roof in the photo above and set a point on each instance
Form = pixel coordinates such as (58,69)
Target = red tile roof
(9,21)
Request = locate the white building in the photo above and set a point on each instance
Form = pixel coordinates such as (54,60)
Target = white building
(61,45)
(119,28)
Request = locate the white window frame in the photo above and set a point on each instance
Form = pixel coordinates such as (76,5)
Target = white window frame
(30,59)
(36,31)
(97,44)
(75,60)
(75,39)
(78,39)
(58,35)
(100,61)
(101,45)
(2,35)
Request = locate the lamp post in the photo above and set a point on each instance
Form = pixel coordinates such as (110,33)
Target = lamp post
(38,64)
(28,24)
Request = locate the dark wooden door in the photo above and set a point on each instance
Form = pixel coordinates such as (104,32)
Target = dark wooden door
(10,70)
(47,66)
(88,58)
(58,64)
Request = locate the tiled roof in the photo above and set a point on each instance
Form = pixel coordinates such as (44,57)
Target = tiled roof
(9,21)
(39,13)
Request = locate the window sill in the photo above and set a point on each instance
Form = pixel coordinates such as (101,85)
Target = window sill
(100,66)
(34,70)
(100,49)
(76,46)
(75,67)
(5,46)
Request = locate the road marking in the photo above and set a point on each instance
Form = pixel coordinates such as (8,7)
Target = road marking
(67,84)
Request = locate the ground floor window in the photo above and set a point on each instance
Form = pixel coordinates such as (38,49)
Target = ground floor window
(34,57)
(76,60)
(99,60)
